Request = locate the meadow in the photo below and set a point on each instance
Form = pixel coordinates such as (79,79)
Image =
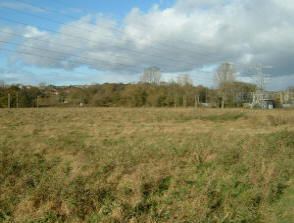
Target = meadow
(148,165)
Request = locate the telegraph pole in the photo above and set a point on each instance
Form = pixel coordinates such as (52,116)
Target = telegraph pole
(197,101)
(184,101)
(8,101)
(37,101)
(16,99)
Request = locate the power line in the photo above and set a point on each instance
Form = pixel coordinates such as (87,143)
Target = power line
(84,38)
(74,17)
(68,46)
(83,63)
(63,34)
(88,63)
(86,60)
(58,51)
(66,54)
(47,9)
(40,40)
(129,50)
(89,30)
(71,37)
(118,30)
(39,55)
(82,73)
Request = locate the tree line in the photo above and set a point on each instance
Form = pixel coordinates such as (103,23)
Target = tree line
(149,91)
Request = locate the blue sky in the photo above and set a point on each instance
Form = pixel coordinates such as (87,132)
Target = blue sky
(80,42)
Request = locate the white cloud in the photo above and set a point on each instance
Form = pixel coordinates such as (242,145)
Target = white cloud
(32,32)
(188,36)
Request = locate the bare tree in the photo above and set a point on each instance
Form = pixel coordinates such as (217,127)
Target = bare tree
(2,84)
(187,89)
(225,73)
(184,79)
(224,77)
(151,75)
(42,85)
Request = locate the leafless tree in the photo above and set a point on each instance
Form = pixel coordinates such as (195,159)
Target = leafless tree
(184,79)
(225,73)
(224,77)
(151,75)
(2,84)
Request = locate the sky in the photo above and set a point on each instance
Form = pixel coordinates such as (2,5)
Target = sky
(65,42)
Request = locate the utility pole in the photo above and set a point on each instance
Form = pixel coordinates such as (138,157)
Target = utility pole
(37,101)
(8,101)
(16,99)
(197,102)
(184,101)
(2,84)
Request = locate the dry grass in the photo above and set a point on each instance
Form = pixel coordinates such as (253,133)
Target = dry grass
(146,165)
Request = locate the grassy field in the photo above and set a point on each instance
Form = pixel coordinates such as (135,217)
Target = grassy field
(146,165)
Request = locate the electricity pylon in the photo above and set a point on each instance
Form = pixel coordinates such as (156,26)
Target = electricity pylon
(260,75)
